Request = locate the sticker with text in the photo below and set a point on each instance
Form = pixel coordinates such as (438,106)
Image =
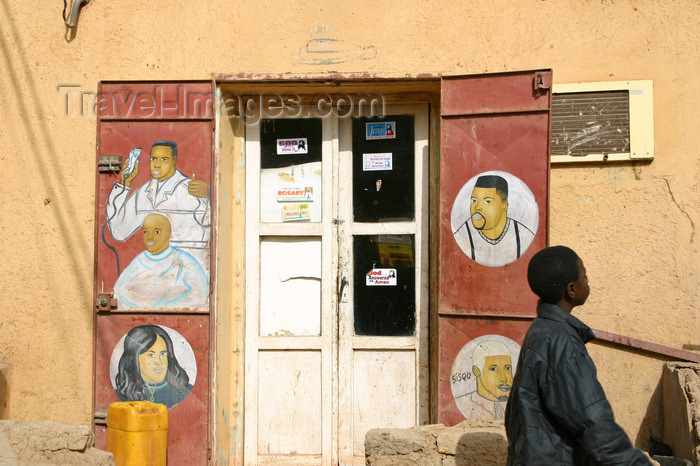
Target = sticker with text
(376,162)
(295,194)
(381,277)
(381,130)
(292,146)
(295,212)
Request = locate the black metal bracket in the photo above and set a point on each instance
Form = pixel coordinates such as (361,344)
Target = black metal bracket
(542,81)
(105,301)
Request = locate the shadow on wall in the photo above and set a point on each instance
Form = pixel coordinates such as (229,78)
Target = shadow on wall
(652,424)
(4,391)
(482,448)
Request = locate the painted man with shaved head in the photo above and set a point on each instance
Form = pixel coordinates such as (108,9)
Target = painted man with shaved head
(162,276)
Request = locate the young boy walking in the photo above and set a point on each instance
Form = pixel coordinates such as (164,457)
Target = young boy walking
(557,411)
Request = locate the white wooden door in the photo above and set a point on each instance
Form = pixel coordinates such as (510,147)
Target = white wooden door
(336,283)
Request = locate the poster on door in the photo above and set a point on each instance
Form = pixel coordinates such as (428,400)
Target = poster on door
(294,212)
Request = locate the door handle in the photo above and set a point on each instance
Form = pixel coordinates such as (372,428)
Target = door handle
(343,284)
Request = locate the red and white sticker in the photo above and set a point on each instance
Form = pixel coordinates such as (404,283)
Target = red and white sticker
(295,194)
(381,277)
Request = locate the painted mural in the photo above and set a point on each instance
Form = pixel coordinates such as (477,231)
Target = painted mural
(482,376)
(171,213)
(162,276)
(153,363)
(494,218)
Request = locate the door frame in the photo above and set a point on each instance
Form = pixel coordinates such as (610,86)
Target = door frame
(329,228)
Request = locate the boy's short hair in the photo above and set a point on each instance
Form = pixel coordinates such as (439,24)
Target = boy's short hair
(550,271)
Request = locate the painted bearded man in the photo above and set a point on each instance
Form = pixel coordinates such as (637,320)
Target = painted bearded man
(489,236)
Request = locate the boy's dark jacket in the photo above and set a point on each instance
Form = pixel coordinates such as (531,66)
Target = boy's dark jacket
(557,411)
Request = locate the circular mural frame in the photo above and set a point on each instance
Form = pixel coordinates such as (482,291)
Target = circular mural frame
(478,223)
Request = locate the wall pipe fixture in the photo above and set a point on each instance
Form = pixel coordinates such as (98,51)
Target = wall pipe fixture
(75,10)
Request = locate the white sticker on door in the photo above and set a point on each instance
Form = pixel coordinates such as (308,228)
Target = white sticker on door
(295,194)
(376,162)
(381,277)
(292,146)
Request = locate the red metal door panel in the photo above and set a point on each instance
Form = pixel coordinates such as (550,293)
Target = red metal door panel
(189,335)
(153,268)
(459,336)
(514,144)
(496,93)
(155,100)
(493,200)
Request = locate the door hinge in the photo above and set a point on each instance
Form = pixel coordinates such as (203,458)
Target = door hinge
(109,163)
(100,417)
(542,81)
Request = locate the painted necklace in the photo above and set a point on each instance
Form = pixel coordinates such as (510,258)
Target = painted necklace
(500,237)
(152,389)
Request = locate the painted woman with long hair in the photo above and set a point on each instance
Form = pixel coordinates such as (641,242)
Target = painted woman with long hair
(148,369)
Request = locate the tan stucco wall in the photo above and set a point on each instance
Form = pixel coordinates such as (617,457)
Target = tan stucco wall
(633,224)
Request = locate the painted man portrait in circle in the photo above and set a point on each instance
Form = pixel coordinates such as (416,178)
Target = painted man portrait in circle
(484,368)
(494,218)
